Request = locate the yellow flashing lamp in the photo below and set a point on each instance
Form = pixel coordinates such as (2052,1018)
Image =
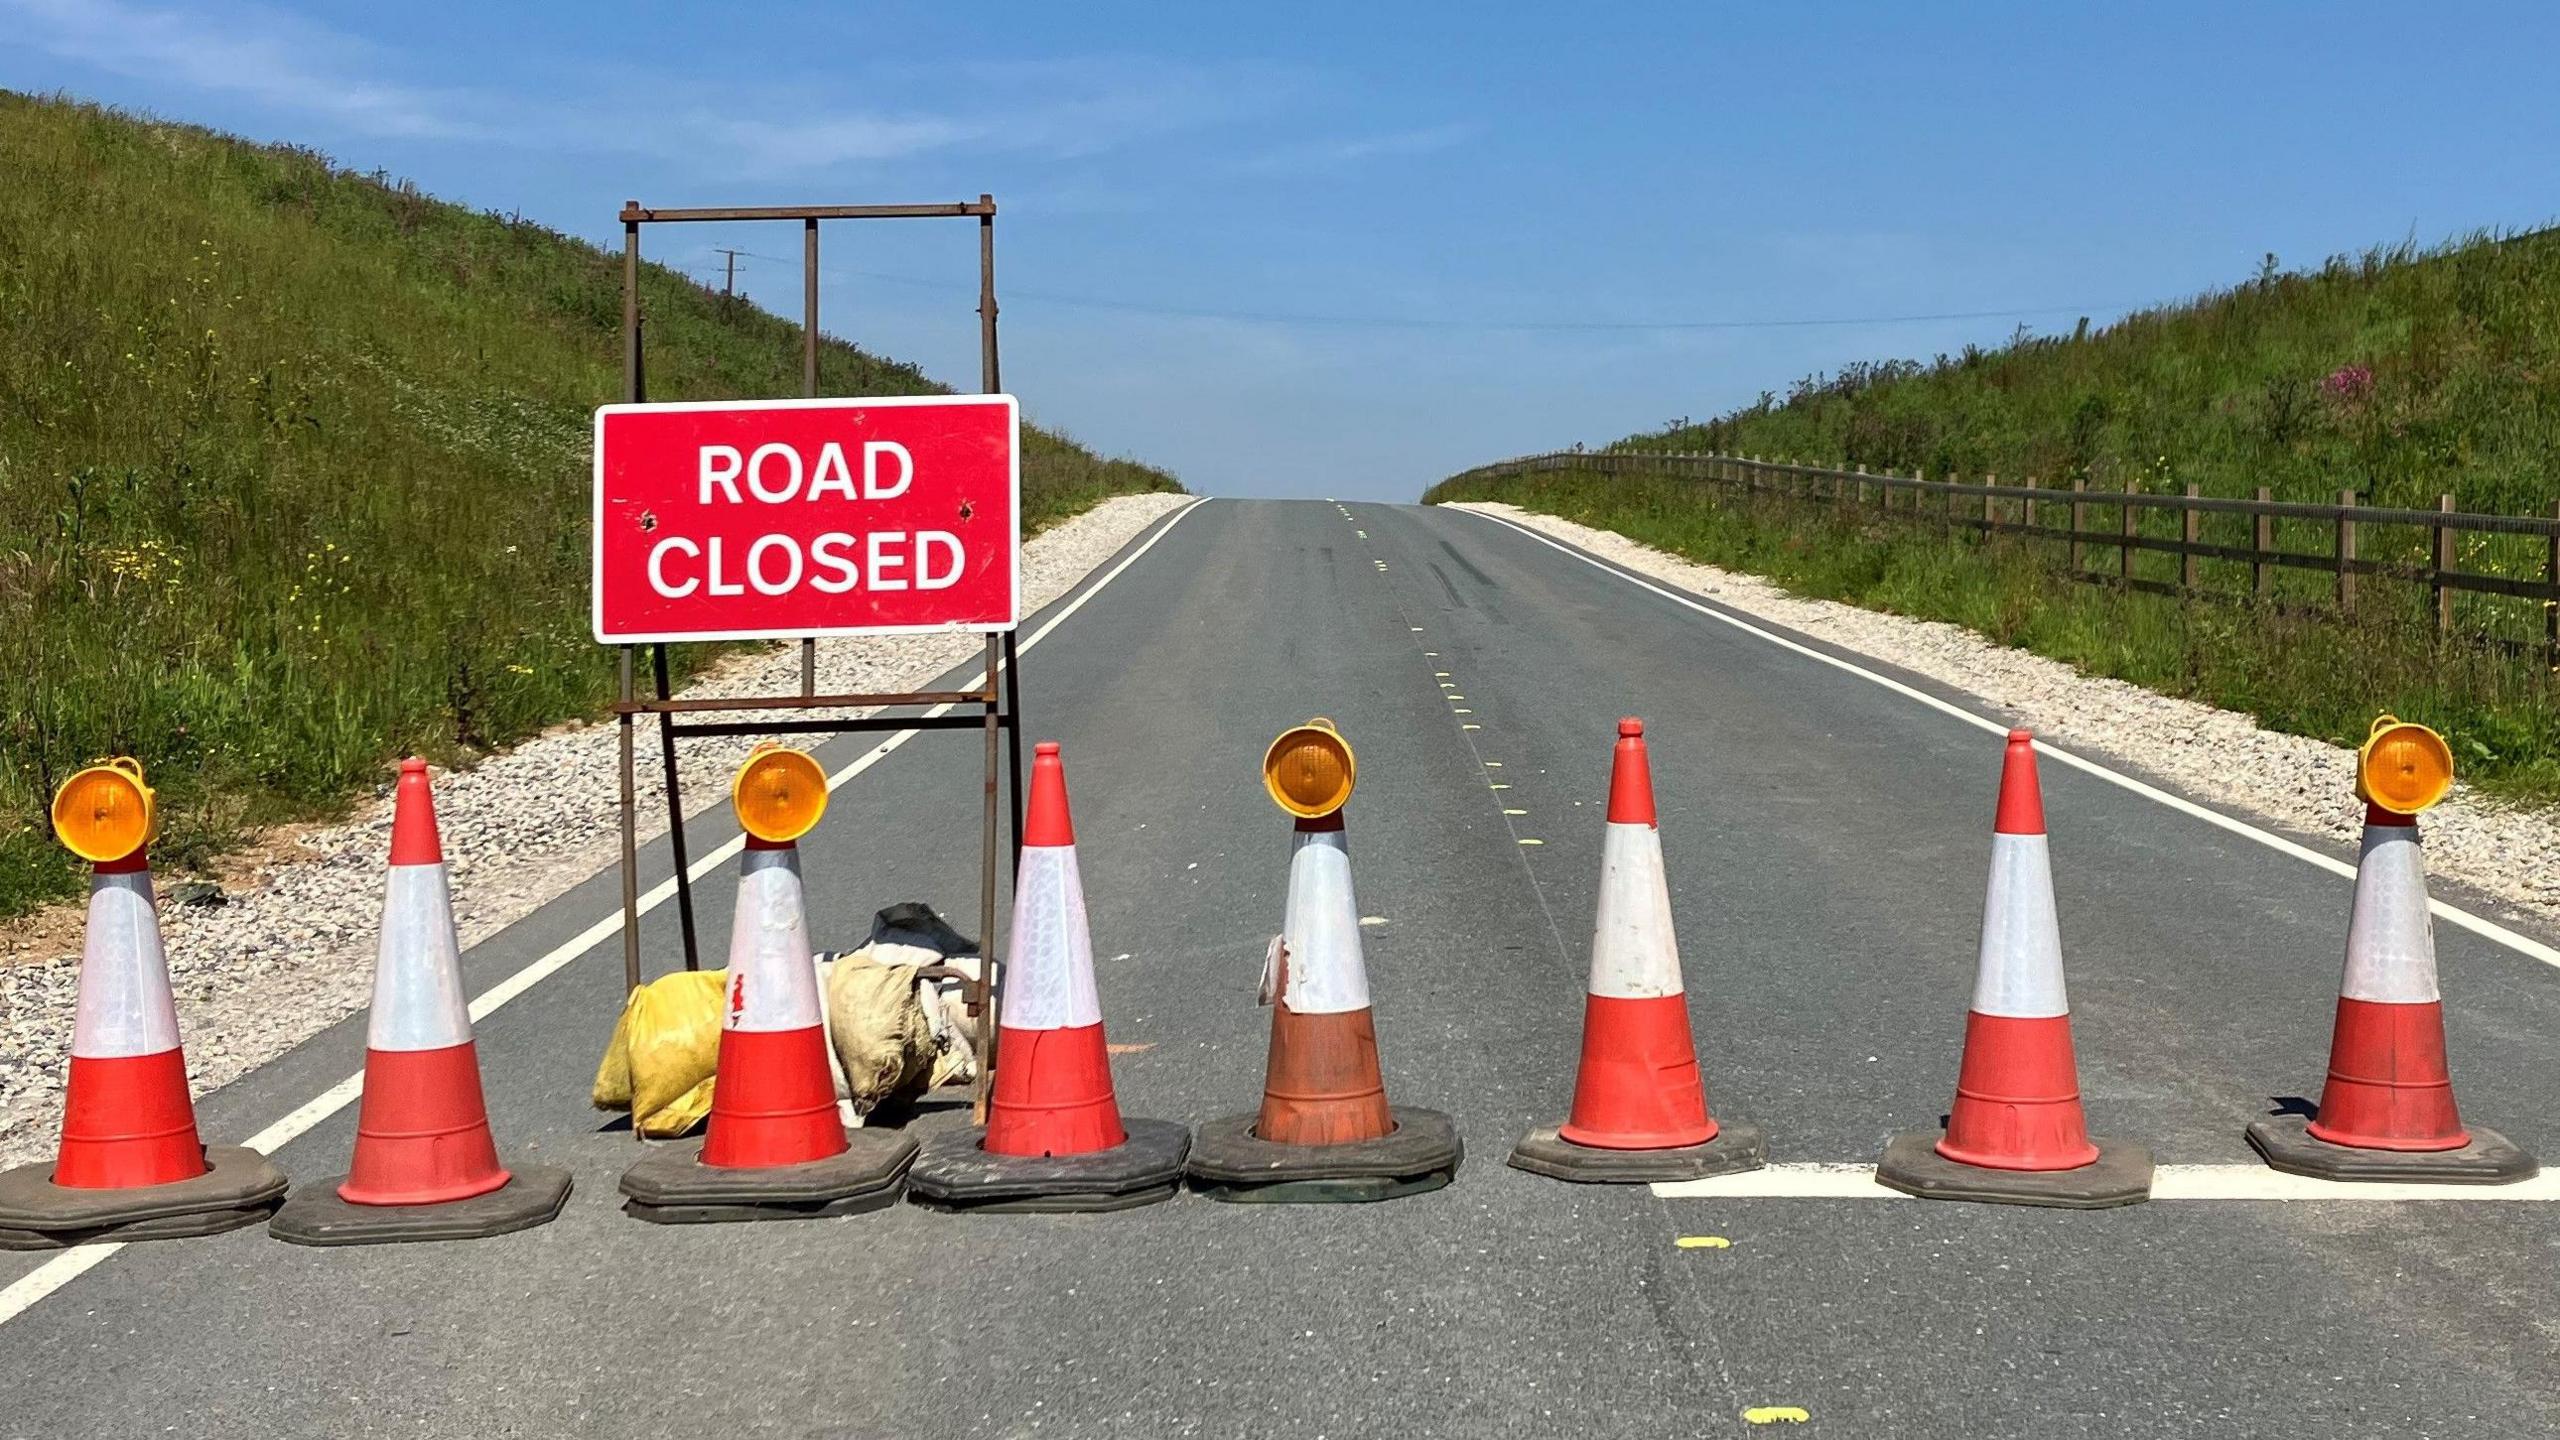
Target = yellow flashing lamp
(105,812)
(2403,768)
(1309,769)
(779,793)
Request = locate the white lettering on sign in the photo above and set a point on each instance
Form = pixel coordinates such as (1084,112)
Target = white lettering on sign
(776,565)
(775,470)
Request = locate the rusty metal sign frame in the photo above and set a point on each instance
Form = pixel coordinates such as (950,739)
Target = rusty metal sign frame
(999,703)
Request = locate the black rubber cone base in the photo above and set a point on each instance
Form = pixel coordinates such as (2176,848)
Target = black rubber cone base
(1228,1162)
(953,1171)
(240,1187)
(2287,1144)
(317,1215)
(1734,1149)
(2121,1175)
(671,1186)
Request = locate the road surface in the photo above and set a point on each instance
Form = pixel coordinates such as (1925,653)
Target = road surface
(1826,837)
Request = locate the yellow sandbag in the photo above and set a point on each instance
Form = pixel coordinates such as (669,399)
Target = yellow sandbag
(659,1063)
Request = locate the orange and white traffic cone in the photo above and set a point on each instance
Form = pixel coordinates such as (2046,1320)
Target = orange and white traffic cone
(1055,1139)
(774,1102)
(1639,1105)
(2387,1111)
(130,1166)
(777,1147)
(426,1167)
(1325,1131)
(2016,1133)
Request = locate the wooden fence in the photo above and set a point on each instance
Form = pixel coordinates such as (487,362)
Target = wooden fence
(2065,516)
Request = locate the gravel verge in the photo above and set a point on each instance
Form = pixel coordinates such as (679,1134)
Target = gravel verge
(290,950)
(2216,756)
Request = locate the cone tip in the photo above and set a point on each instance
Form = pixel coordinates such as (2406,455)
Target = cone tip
(414,840)
(2021,735)
(1047,748)
(2021,809)
(1630,728)
(1048,821)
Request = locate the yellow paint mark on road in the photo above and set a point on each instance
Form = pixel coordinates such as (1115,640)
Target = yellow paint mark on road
(1363,534)
(1498,785)
(1129,1049)
(1433,655)
(1454,698)
(1462,710)
(1493,764)
(1416,629)
(1470,727)
(1525,840)
(1439,674)
(1515,812)
(1775,1415)
(1703,1242)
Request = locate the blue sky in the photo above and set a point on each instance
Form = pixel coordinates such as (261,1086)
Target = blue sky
(1298,250)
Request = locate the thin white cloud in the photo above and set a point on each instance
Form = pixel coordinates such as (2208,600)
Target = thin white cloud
(1059,108)
(1317,157)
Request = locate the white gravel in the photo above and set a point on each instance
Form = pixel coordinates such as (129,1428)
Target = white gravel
(292,952)
(2215,756)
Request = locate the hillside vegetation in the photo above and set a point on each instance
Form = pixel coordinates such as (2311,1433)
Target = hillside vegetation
(2400,375)
(294,473)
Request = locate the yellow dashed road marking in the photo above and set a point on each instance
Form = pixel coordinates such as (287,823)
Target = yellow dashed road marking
(1703,1242)
(1525,840)
(1775,1415)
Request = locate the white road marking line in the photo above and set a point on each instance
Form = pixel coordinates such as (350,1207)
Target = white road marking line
(23,1293)
(1838,1181)
(2455,915)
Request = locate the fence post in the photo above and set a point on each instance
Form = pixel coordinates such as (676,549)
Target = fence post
(2124,544)
(2443,565)
(1990,510)
(1861,483)
(2079,513)
(2193,521)
(2551,603)
(2027,507)
(2262,540)
(2346,555)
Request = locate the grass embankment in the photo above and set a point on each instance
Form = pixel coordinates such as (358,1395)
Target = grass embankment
(2402,376)
(293,470)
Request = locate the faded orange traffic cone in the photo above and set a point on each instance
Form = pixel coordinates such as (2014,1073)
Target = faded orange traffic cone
(130,1165)
(1054,1139)
(1639,1104)
(2016,1133)
(426,1166)
(1325,1131)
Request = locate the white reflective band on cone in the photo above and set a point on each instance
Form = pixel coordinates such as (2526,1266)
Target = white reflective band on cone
(773,977)
(1327,975)
(417,971)
(2020,974)
(125,1006)
(1634,955)
(1048,978)
(2391,942)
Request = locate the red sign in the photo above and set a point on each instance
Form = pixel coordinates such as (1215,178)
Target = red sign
(756,519)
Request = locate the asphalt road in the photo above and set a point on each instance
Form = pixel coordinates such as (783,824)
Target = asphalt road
(1827,840)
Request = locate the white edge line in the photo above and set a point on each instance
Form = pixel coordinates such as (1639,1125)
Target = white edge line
(23,1293)
(1828,1181)
(2487,929)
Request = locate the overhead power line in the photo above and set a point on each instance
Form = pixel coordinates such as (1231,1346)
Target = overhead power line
(1397,322)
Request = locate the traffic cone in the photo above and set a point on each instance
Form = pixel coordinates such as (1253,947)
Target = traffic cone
(777,1148)
(2016,1132)
(130,1165)
(2387,1111)
(1639,1106)
(774,1102)
(1054,1138)
(426,1166)
(1325,1131)
(1321,1084)
(1052,1093)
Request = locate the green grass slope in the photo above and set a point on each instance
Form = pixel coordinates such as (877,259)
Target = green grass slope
(2400,375)
(293,469)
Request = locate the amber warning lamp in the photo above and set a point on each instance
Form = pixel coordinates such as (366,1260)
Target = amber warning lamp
(2403,768)
(779,793)
(105,812)
(1309,770)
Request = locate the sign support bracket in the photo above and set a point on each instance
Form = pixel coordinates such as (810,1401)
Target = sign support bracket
(999,700)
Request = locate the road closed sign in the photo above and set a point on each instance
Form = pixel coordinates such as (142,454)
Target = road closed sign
(772,518)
